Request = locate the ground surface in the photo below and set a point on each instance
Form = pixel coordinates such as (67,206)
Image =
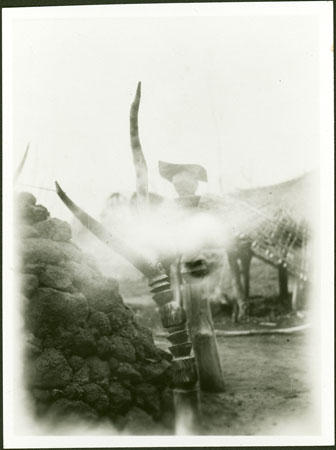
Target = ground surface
(269,385)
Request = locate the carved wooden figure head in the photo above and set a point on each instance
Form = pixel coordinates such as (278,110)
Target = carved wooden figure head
(185,177)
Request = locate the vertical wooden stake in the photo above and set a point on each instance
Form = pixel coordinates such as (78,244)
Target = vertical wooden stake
(298,292)
(187,411)
(283,285)
(203,337)
(240,307)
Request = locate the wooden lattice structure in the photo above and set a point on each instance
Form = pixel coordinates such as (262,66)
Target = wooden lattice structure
(274,222)
(279,239)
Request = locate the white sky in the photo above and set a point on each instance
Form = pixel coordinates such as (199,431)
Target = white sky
(237,94)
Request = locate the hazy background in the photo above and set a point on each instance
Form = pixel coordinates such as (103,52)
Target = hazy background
(238,95)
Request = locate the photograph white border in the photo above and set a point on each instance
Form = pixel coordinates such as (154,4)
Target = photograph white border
(323,10)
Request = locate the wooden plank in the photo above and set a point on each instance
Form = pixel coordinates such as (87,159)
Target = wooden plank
(203,337)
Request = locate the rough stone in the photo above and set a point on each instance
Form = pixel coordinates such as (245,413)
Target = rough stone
(148,398)
(40,251)
(156,372)
(55,277)
(104,384)
(56,393)
(138,422)
(54,229)
(82,376)
(70,251)
(25,198)
(76,362)
(96,397)
(99,369)
(102,293)
(120,397)
(89,260)
(31,214)
(50,370)
(144,344)
(122,349)
(65,409)
(119,317)
(87,354)
(79,272)
(114,364)
(56,339)
(50,308)
(84,343)
(128,331)
(100,321)
(95,333)
(139,350)
(104,347)
(34,269)
(73,391)
(42,395)
(26,231)
(33,347)
(144,332)
(126,372)
(28,284)
(46,251)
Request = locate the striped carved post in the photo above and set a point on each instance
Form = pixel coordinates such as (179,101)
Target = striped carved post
(185,378)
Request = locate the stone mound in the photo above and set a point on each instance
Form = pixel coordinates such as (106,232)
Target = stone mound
(86,356)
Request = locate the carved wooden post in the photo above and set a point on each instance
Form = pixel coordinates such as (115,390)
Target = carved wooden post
(195,299)
(185,379)
(173,316)
(185,179)
(176,281)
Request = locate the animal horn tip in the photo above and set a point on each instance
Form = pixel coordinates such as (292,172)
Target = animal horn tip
(58,187)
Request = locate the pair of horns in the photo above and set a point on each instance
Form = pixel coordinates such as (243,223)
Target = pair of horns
(111,240)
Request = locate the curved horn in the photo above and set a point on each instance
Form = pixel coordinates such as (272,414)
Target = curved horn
(140,165)
(112,241)
(20,167)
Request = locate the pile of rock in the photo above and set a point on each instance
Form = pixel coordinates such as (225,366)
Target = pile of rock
(86,355)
